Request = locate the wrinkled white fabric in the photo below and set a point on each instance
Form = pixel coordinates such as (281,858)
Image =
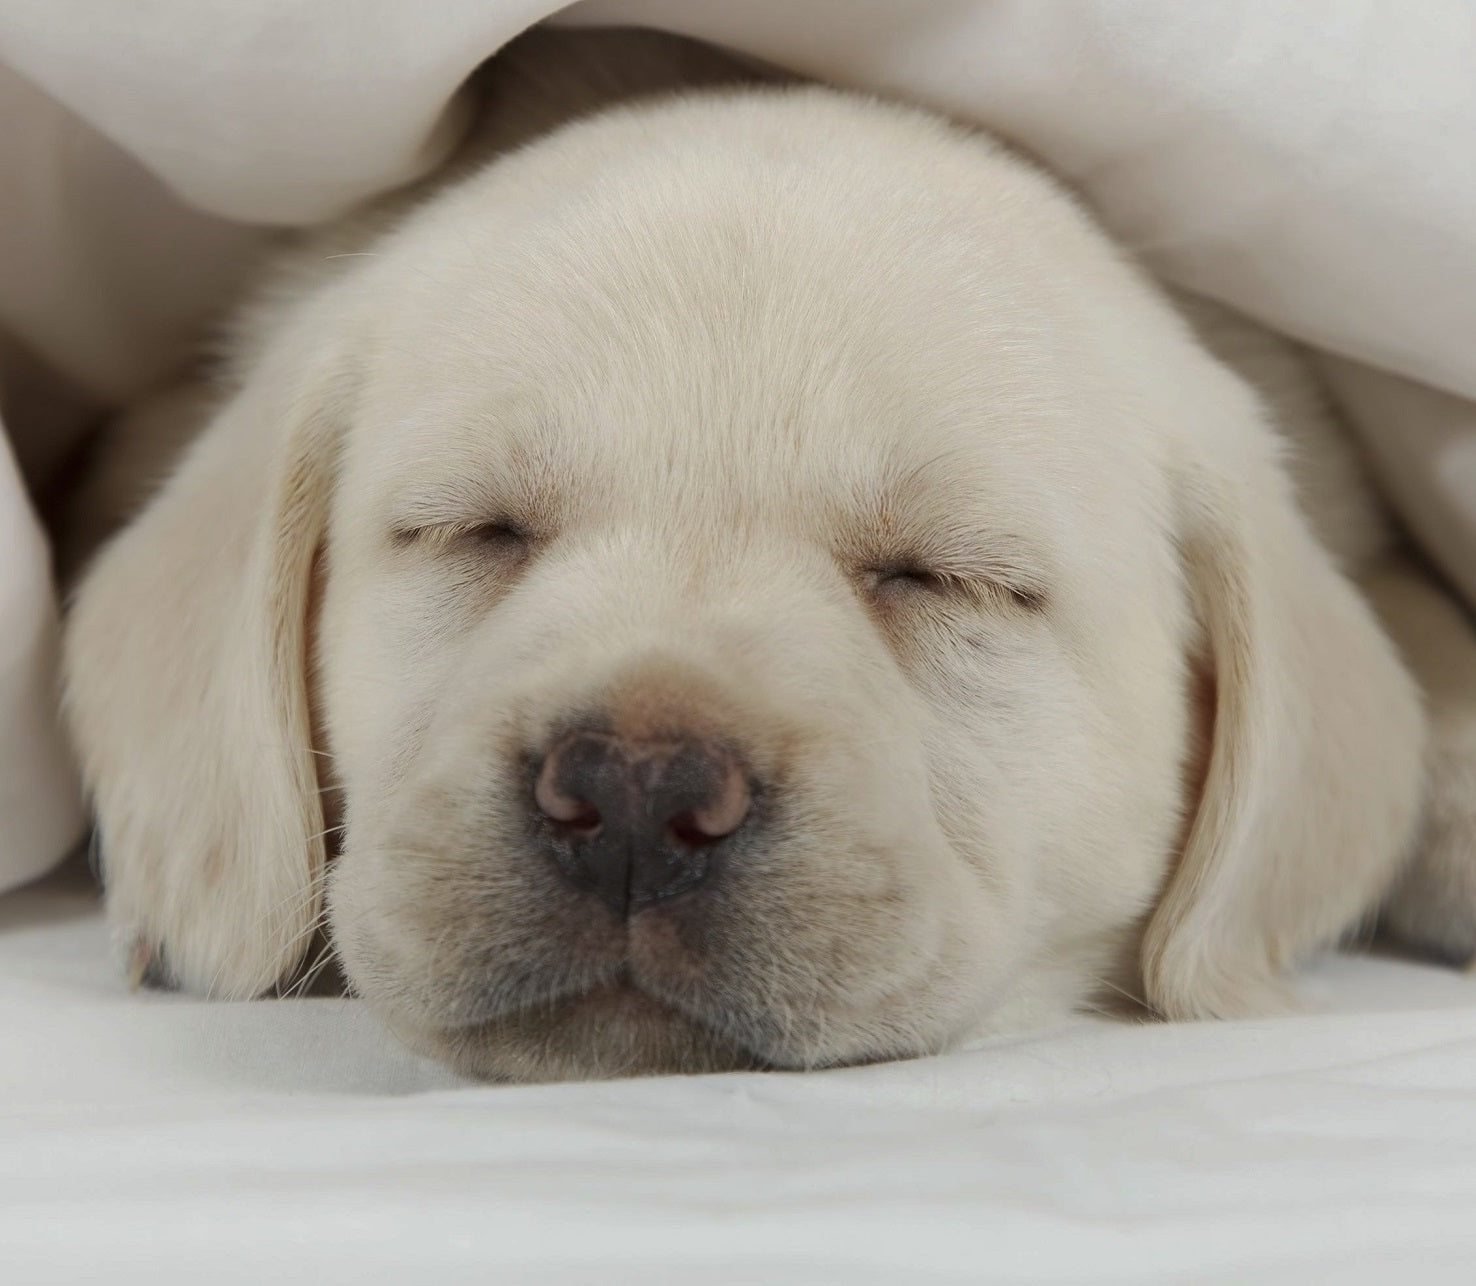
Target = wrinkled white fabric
(1310,164)
(39,810)
(158,1139)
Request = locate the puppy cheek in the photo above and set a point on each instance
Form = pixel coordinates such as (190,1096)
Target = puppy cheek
(381,950)
(376,899)
(377,922)
(985,832)
(350,923)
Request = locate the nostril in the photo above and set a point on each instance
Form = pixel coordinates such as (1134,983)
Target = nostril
(717,816)
(580,825)
(570,812)
(686,831)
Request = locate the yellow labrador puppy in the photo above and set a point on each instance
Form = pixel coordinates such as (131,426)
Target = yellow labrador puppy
(760,581)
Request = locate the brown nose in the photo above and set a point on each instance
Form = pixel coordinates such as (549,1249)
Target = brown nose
(637,821)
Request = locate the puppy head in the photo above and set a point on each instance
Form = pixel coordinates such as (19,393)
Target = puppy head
(768,544)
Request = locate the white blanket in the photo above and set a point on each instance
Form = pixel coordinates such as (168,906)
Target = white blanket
(158,1139)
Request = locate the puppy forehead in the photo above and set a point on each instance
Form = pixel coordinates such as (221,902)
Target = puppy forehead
(834,432)
(712,327)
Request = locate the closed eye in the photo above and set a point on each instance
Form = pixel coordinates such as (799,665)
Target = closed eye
(500,537)
(909,576)
(503,537)
(897,582)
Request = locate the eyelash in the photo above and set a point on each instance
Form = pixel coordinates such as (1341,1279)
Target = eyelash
(502,534)
(502,537)
(912,579)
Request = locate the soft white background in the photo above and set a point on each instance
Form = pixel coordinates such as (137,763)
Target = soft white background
(1314,164)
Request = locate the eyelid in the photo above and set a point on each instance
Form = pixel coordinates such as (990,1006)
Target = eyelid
(451,509)
(979,582)
(442,534)
(1025,587)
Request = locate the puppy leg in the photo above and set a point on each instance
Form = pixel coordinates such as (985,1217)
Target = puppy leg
(1433,905)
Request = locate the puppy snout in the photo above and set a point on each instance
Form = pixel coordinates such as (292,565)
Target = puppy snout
(637,821)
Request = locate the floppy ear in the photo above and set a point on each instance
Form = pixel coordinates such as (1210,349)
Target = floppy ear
(186,671)
(1313,780)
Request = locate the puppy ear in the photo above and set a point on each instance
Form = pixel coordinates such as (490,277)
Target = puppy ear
(1313,775)
(186,669)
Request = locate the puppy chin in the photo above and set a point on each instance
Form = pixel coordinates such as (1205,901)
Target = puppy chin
(612,1031)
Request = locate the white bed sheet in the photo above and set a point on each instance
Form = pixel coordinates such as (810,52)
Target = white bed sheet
(156,1138)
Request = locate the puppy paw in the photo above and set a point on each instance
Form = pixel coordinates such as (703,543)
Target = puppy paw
(1432,908)
(147,968)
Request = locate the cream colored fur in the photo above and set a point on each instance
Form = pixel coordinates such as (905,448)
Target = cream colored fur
(729,361)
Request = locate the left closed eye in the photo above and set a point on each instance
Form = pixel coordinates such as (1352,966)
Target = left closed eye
(902,581)
(500,538)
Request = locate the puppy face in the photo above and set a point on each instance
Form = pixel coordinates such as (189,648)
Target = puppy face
(787,595)
(853,512)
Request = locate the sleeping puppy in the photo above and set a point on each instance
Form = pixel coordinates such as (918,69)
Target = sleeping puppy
(753,578)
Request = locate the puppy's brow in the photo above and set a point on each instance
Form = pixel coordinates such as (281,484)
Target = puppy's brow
(518,486)
(971,556)
(932,516)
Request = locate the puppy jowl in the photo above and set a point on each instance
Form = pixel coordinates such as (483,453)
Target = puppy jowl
(762,583)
